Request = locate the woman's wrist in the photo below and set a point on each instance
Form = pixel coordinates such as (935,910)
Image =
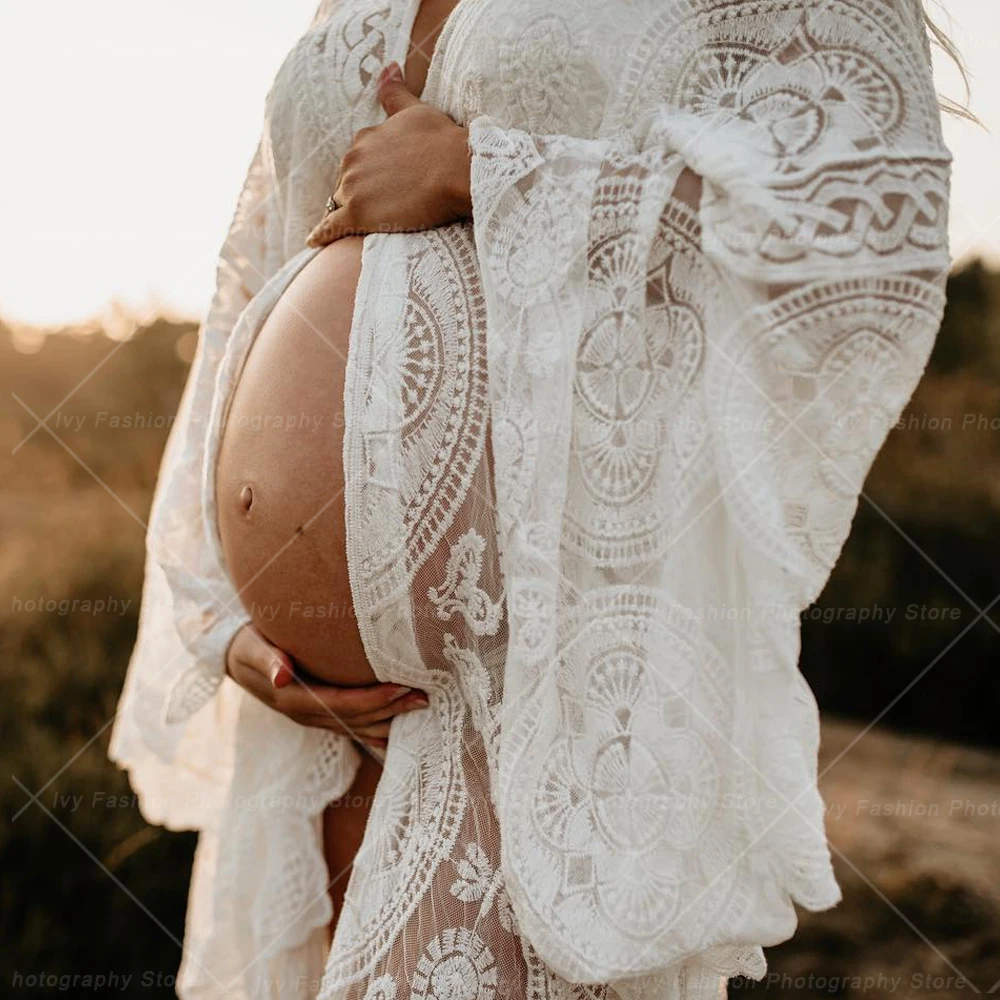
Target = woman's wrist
(458,180)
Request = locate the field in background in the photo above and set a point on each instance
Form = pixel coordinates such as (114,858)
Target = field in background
(913,805)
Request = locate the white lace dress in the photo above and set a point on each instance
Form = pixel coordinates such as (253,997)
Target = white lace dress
(603,445)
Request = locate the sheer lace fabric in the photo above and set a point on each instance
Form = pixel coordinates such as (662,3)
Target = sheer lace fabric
(602,446)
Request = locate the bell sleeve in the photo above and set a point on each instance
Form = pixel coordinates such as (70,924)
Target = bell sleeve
(176,754)
(702,326)
(176,726)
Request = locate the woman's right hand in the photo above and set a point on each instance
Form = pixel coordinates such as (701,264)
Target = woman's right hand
(363,713)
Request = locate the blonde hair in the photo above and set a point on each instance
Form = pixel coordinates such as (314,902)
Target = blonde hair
(943,42)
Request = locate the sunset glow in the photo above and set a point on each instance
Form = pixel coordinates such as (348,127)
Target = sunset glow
(135,123)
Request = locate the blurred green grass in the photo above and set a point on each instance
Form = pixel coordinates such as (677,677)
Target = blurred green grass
(72,516)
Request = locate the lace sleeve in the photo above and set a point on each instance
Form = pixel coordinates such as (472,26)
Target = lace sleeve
(189,611)
(175,727)
(702,327)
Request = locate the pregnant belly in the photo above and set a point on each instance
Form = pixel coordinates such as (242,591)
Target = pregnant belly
(280,473)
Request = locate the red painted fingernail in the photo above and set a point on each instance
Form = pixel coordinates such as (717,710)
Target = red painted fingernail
(279,675)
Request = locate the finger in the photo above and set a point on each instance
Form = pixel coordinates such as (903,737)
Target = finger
(378,731)
(337,224)
(371,703)
(357,723)
(375,730)
(251,681)
(265,659)
(374,743)
(406,703)
(350,705)
(393,94)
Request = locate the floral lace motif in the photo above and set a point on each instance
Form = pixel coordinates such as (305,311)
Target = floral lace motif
(461,591)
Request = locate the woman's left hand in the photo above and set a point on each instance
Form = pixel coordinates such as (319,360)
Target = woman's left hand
(409,173)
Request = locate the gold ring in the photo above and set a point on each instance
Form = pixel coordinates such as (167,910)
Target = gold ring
(331,204)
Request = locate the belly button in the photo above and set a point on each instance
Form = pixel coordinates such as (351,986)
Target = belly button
(246,498)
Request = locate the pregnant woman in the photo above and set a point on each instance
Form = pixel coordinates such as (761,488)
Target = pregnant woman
(546,335)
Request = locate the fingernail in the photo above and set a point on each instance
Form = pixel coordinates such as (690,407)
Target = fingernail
(401,690)
(279,676)
(419,701)
(393,72)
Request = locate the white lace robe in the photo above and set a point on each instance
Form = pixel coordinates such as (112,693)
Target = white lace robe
(602,446)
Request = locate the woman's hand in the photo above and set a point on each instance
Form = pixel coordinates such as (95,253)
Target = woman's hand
(409,173)
(363,713)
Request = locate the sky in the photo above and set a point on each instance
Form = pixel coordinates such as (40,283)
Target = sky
(135,123)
